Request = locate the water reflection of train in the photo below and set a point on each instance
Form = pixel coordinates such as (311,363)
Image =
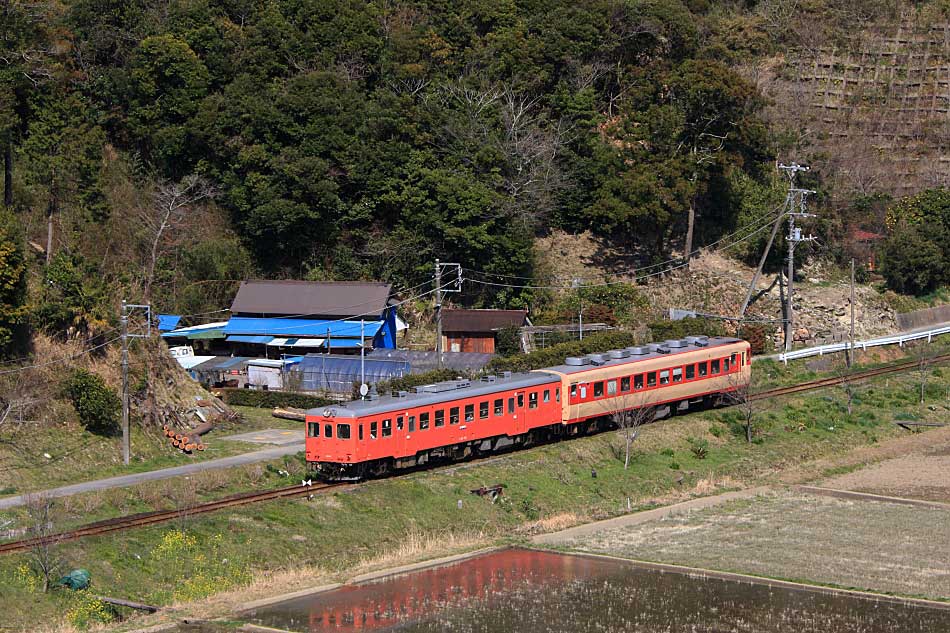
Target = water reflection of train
(456,419)
(391,601)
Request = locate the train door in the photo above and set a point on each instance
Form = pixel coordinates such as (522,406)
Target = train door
(516,407)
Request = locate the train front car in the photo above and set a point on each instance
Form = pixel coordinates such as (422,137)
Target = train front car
(332,446)
(672,376)
(439,422)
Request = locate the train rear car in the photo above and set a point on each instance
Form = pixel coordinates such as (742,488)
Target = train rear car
(439,422)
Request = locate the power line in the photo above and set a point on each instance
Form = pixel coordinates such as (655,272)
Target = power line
(636,278)
(771,215)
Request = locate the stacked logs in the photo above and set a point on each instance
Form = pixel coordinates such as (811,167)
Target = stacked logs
(190,440)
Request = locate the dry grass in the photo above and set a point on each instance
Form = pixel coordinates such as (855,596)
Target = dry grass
(875,546)
(414,547)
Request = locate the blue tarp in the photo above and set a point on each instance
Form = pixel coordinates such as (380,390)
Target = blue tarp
(250,339)
(302,327)
(168,322)
(337,343)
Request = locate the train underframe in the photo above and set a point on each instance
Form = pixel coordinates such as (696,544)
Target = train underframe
(336,472)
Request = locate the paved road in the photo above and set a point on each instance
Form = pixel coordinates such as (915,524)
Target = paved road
(165,473)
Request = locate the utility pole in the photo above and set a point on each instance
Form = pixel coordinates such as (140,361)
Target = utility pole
(125,336)
(851,346)
(580,310)
(438,312)
(126,443)
(793,238)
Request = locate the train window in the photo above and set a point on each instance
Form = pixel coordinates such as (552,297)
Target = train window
(583,391)
(599,389)
(714,367)
(734,358)
(499,406)
(677,374)
(557,394)
(343,431)
(665,377)
(373,428)
(743,358)
(690,372)
(611,387)
(454,415)
(483,410)
(625,383)
(511,405)
(387,428)
(412,423)
(361,432)
(547,396)
(327,430)
(651,379)
(725,365)
(423,421)
(400,423)
(702,369)
(533,400)
(470,413)
(439,418)
(573,391)
(521,401)
(313,429)
(638,381)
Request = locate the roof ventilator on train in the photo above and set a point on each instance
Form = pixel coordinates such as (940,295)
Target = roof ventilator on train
(576,361)
(597,359)
(698,341)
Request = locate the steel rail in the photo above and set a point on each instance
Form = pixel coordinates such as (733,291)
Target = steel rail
(161,516)
(838,380)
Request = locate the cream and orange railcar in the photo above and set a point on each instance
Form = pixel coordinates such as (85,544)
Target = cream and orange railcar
(677,373)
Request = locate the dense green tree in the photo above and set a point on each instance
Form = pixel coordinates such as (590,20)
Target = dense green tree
(912,262)
(915,259)
(168,81)
(12,279)
(96,404)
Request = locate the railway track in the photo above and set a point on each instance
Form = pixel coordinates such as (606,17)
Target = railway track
(837,380)
(161,516)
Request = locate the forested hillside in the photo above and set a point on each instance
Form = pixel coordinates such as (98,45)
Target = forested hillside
(166,149)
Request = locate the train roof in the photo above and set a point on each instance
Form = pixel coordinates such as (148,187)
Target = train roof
(636,354)
(438,393)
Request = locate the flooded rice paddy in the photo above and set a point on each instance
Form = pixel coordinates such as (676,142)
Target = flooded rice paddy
(531,591)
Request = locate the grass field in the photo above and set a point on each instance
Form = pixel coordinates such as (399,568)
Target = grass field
(880,547)
(34,456)
(417,515)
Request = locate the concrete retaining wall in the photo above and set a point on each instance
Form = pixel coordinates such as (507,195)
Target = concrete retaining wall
(923,318)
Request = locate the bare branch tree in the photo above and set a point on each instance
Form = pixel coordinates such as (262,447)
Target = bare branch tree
(628,421)
(169,209)
(739,395)
(44,556)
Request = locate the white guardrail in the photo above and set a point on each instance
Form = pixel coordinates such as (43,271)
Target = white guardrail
(898,339)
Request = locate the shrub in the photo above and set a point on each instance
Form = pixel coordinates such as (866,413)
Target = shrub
(699,447)
(554,355)
(271,399)
(662,330)
(405,383)
(96,404)
(508,340)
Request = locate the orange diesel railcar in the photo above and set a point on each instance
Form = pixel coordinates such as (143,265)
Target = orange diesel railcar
(455,419)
